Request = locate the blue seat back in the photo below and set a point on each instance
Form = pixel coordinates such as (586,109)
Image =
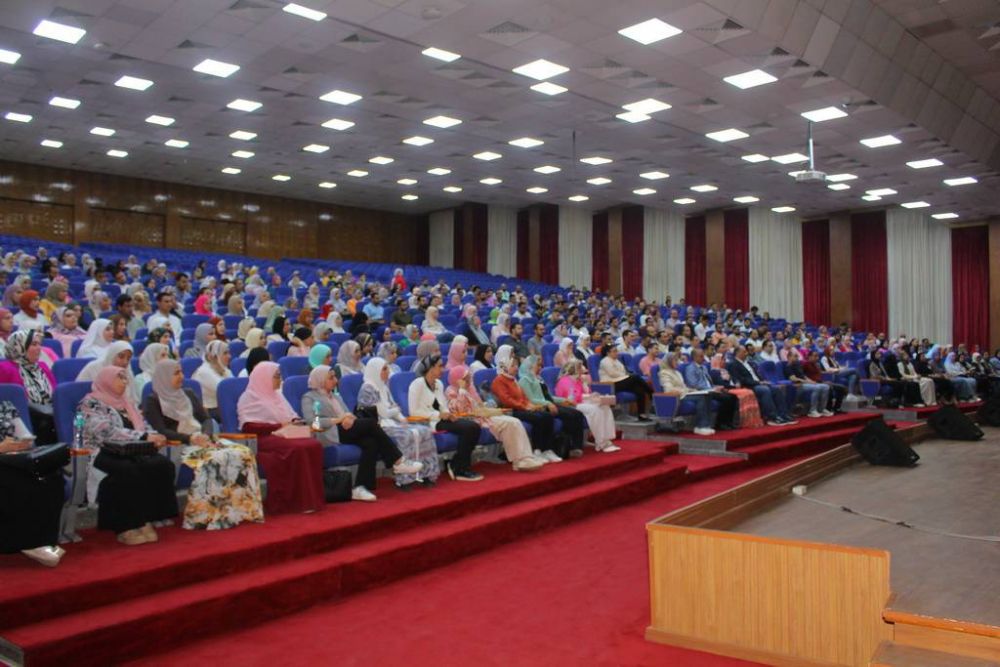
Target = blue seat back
(189,365)
(193,385)
(654,371)
(291,366)
(594,365)
(294,388)
(66,370)
(550,375)
(16,395)
(75,347)
(486,375)
(399,386)
(236,347)
(350,386)
(192,321)
(54,345)
(65,399)
(237,364)
(277,349)
(229,392)
(549,353)
(406,361)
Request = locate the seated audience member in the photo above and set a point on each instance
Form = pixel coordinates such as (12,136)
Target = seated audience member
(321,332)
(336,321)
(768,353)
(432,325)
(254,339)
(204,334)
(225,490)
(302,342)
(117,354)
(673,383)
(132,492)
(280,328)
(500,328)
(66,330)
(483,359)
(572,419)
(349,358)
(56,297)
(614,372)
(30,317)
(830,365)
(927,366)
(574,387)
(582,350)
(411,337)
(907,373)
(510,395)
(389,352)
(427,347)
(457,352)
(537,340)
(427,400)
(366,342)
(649,359)
(25,366)
(100,334)
(213,370)
(414,441)
(698,378)
(965,386)
(770,398)
(812,370)
(565,353)
(909,387)
(165,316)
(292,460)
(401,317)
(320,355)
(877,371)
(817,393)
(516,340)
(473,330)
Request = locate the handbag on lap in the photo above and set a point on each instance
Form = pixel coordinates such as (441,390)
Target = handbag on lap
(41,460)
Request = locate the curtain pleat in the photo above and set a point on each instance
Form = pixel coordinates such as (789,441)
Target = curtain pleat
(970,286)
(663,254)
(523,260)
(870,287)
(695,278)
(442,238)
(548,241)
(918,255)
(737,258)
(632,252)
(816,271)
(575,239)
(458,242)
(775,266)
(501,254)
(599,253)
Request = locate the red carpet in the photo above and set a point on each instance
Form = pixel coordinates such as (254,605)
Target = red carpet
(742,438)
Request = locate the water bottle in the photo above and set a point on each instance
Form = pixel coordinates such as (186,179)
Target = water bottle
(78,423)
(316,425)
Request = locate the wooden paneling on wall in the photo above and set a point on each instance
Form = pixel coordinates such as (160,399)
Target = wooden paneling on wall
(77,207)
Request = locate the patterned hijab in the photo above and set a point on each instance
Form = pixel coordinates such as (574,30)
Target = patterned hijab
(36,382)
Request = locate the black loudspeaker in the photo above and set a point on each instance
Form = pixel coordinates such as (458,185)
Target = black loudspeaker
(881,446)
(953,424)
(989,413)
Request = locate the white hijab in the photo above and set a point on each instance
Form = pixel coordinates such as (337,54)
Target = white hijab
(93,344)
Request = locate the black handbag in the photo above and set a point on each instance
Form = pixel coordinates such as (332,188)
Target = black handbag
(366,412)
(131,450)
(41,460)
(337,486)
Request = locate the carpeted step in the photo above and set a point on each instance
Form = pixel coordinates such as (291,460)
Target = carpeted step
(97,571)
(743,438)
(799,446)
(165,620)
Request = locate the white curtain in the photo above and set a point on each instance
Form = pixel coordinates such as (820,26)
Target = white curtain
(776,263)
(576,237)
(501,249)
(663,254)
(442,238)
(919,259)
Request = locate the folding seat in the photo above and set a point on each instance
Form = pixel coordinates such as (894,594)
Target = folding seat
(66,370)
(291,366)
(189,365)
(277,349)
(350,387)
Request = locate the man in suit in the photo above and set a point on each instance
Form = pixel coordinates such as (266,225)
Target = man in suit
(770,397)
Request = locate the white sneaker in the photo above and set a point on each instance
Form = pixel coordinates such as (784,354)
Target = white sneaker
(361,493)
(551,456)
(919,405)
(47,556)
(704,431)
(608,448)
(827,413)
(814,415)
(407,467)
(528,463)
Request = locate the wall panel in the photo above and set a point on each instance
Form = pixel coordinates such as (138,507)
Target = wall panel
(212,235)
(53,222)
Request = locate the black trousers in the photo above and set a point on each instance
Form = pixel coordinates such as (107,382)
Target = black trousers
(573,423)
(137,491)
(726,407)
(468,437)
(911,392)
(29,509)
(542,426)
(837,394)
(375,445)
(638,386)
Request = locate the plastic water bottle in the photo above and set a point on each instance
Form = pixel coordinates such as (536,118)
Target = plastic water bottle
(316,425)
(78,424)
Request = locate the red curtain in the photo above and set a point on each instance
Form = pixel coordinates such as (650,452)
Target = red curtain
(458,240)
(970,286)
(480,236)
(737,258)
(816,271)
(599,253)
(423,251)
(523,265)
(548,244)
(869,267)
(633,237)
(695,280)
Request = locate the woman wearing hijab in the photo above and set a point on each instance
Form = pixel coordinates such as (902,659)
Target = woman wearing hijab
(306,318)
(415,441)
(293,465)
(255,339)
(131,492)
(225,490)
(925,366)
(100,334)
(213,370)
(614,372)
(336,322)
(574,387)
(359,324)
(55,298)
(564,354)
(908,373)
(425,349)
(909,387)
(119,354)
(153,353)
(244,327)
(367,344)
(236,306)
(302,342)
(257,356)
(965,386)
(204,334)
(322,407)
(510,395)
(501,328)
(535,390)
(582,350)
(877,371)
(411,336)
(398,281)
(432,325)
(12,295)
(390,353)
(320,355)
(65,329)
(321,332)
(6,329)
(473,330)
(30,317)
(24,366)
(280,329)
(349,358)
(311,298)
(483,359)
(457,352)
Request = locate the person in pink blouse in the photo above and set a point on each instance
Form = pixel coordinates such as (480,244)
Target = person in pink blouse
(574,386)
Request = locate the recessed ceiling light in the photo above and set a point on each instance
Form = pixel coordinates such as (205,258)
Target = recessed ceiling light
(63,33)
(440,54)
(915,204)
(64,102)
(879,142)
(547,169)
(578,198)
(755,157)
(133,82)
(304,12)
(790,158)
(644,191)
(176,143)
(216,68)
(442,121)
(839,178)
(165,121)
(451,188)
(704,188)
(51,143)
(102,131)
(751,79)
(410,197)
(241,104)
(231,170)
(18,117)
(540,69)
(732,134)
(340,97)
(418,141)
(327,185)
(537,190)
(243,135)
(944,216)
(243,154)
(487,155)
(595,160)
(839,186)
(549,88)
(407,181)
(683,201)
(9,57)
(824,114)
(646,106)
(381,159)
(338,124)
(881,192)
(632,116)
(114,152)
(746,199)
(439,171)
(526,142)
(281,177)
(795,174)
(654,175)
(872,198)
(649,31)
(357,173)
(963,180)
(600,180)
(490,180)
(783,209)
(316,148)
(924,164)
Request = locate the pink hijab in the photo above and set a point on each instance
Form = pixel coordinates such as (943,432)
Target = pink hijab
(261,402)
(456,353)
(455,376)
(103,391)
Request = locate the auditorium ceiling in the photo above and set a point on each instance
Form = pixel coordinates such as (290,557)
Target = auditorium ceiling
(634,105)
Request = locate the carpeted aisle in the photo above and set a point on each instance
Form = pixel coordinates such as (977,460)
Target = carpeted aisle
(577,595)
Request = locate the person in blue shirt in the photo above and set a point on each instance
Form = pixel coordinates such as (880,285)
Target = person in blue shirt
(697,377)
(374,310)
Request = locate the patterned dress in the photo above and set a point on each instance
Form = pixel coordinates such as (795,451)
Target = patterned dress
(415,441)
(225,491)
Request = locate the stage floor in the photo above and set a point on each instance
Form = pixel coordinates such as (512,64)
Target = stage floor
(954,489)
